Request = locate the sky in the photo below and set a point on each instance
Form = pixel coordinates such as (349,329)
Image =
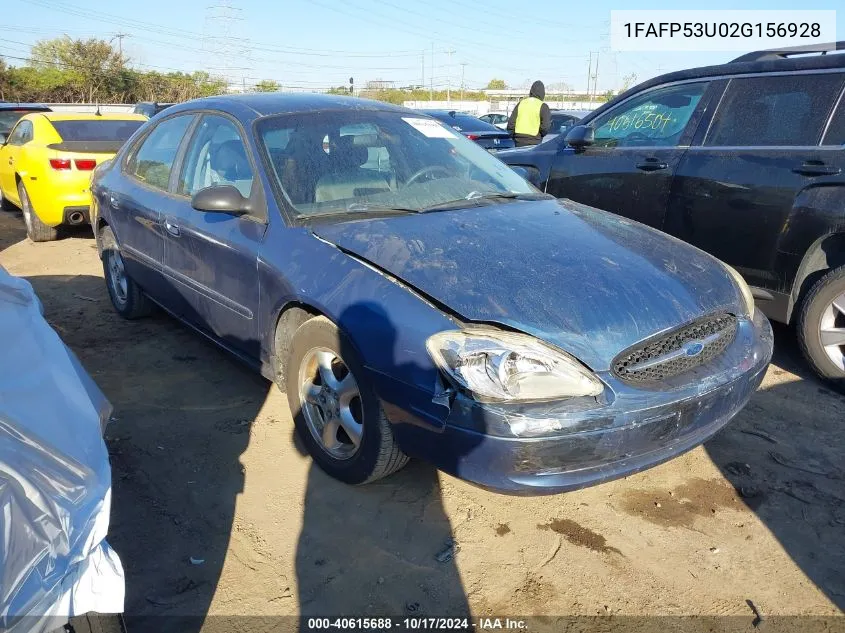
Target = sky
(321,43)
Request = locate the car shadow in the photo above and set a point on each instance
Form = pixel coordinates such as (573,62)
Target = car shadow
(383,549)
(183,418)
(13,228)
(783,453)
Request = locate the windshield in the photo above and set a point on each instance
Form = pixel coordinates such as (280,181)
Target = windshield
(96,130)
(346,161)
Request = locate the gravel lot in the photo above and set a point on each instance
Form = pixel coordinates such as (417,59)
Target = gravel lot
(205,465)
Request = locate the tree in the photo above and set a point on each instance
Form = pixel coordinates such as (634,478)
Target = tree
(92,66)
(497,84)
(339,90)
(267,85)
(628,81)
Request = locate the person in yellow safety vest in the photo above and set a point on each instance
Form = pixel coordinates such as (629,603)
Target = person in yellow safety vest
(531,118)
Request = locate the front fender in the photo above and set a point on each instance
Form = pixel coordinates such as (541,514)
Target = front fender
(387,322)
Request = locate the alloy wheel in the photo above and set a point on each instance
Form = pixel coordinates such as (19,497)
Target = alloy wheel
(117,276)
(331,403)
(832,331)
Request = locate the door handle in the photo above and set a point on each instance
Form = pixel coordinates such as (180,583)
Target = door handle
(651,164)
(113,202)
(172,228)
(816,168)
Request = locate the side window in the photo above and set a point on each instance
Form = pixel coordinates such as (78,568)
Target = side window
(788,110)
(216,156)
(21,134)
(655,119)
(152,161)
(835,134)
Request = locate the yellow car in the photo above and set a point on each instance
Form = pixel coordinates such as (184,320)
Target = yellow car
(46,164)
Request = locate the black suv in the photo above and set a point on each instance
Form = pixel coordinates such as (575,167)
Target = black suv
(745,160)
(11,112)
(150,108)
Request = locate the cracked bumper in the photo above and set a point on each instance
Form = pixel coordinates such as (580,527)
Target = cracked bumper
(634,430)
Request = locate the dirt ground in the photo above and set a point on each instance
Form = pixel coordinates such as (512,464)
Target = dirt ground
(205,467)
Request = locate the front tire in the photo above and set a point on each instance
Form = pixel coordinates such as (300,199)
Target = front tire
(336,411)
(821,327)
(126,296)
(36,230)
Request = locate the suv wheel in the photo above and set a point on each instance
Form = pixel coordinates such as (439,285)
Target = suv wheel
(821,327)
(36,230)
(335,409)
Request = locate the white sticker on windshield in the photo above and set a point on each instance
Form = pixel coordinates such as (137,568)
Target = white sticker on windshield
(429,127)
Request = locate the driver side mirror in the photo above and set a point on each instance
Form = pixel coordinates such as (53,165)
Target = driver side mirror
(3,138)
(220,199)
(580,136)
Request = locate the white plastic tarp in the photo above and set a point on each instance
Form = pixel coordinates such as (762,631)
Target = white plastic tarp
(55,479)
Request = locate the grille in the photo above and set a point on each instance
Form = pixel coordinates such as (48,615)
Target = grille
(667,356)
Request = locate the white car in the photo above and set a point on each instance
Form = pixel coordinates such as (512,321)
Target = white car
(499,119)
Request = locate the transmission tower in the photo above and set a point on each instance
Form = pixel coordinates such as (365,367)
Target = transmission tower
(227,51)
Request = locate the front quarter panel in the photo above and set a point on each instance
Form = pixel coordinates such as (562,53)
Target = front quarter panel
(387,322)
(538,158)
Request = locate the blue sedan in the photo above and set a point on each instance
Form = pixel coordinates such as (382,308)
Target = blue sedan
(415,297)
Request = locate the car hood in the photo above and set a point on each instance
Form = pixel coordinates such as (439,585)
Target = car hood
(590,282)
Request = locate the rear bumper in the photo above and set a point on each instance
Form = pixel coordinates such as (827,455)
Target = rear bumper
(51,203)
(637,429)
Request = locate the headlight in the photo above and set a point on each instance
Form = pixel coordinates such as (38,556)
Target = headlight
(744,290)
(504,366)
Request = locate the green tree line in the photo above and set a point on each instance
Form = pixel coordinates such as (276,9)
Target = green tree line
(69,70)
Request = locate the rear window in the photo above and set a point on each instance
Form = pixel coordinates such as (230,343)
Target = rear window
(102,130)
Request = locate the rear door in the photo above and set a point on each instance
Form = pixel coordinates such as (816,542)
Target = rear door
(638,145)
(142,199)
(735,188)
(213,257)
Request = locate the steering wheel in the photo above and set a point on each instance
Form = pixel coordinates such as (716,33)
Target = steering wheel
(637,136)
(429,169)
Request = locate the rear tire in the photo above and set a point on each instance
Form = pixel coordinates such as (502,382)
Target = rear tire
(822,320)
(377,454)
(36,230)
(126,296)
(96,623)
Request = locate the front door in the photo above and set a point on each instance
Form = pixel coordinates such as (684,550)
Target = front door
(214,256)
(629,168)
(735,192)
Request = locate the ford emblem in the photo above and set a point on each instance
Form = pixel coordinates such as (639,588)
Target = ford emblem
(693,348)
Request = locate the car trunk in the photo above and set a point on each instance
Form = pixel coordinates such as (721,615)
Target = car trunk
(491,141)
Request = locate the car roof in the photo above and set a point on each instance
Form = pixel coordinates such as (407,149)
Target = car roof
(90,116)
(267,103)
(35,107)
(754,63)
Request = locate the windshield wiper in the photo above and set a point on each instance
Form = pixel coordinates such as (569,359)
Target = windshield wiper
(477,199)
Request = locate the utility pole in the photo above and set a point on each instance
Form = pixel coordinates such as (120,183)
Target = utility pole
(463,73)
(596,76)
(119,37)
(431,78)
(449,77)
(589,73)
(422,78)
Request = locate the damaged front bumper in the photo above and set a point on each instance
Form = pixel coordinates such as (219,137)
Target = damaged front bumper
(545,448)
